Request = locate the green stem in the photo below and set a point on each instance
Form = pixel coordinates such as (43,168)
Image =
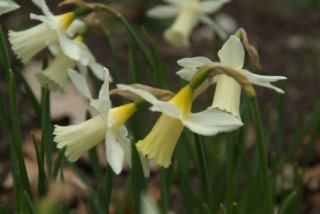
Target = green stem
(262,154)
(204,172)
(4,52)
(138,41)
(199,77)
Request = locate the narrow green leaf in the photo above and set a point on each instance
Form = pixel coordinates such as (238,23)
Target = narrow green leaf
(80,175)
(234,208)
(287,203)
(114,61)
(138,42)
(35,104)
(223,209)
(204,171)
(16,133)
(4,209)
(4,53)
(58,163)
(29,202)
(161,76)
(262,155)
(102,198)
(4,116)
(42,177)
(138,180)
(134,65)
(164,190)
(108,186)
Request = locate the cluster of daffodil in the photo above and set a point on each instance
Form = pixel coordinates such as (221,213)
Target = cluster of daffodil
(64,34)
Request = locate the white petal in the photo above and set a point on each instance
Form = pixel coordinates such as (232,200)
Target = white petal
(124,142)
(148,205)
(114,152)
(100,71)
(208,21)
(193,62)
(163,11)
(142,93)
(187,73)
(74,28)
(79,83)
(54,48)
(211,6)
(44,7)
(48,21)
(83,69)
(166,108)
(75,50)
(145,165)
(103,104)
(7,6)
(264,81)
(211,122)
(232,53)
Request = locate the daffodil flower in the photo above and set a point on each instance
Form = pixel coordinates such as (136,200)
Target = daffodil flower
(27,43)
(56,75)
(189,13)
(7,6)
(228,90)
(107,125)
(159,144)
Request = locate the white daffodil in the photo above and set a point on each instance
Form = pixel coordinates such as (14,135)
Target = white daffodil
(228,90)
(189,13)
(162,139)
(56,75)
(7,6)
(107,125)
(26,44)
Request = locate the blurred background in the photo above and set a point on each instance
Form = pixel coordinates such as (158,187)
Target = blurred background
(286,34)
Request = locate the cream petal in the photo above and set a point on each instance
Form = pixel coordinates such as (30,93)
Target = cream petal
(163,11)
(48,21)
(208,21)
(79,83)
(211,6)
(142,93)
(54,48)
(7,6)
(166,108)
(74,28)
(44,7)
(186,73)
(264,81)
(211,122)
(76,50)
(82,69)
(232,53)
(193,62)
(114,152)
(100,71)
(148,205)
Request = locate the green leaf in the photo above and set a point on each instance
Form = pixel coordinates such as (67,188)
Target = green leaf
(114,61)
(80,175)
(42,177)
(287,203)
(223,209)
(58,163)
(138,180)
(29,202)
(16,133)
(4,53)
(35,104)
(108,185)
(134,65)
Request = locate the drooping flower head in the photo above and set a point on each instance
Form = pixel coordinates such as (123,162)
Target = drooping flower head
(228,90)
(189,13)
(56,75)
(159,144)
(7,6)
(107,125)
(27,43)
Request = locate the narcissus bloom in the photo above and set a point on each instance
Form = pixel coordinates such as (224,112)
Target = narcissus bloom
(159,144)
(56,75)
(26,44)
(189,13)
(228,90)
(107,125)
(7,6)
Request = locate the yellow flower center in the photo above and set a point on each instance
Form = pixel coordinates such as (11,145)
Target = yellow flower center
(65,20)
(119,115)
(183,100)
